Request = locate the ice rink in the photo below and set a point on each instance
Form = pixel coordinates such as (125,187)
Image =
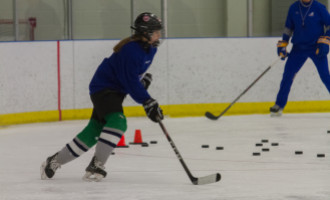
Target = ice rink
(154,172)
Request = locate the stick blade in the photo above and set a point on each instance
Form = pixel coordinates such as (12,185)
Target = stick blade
(211,116)
(213,178)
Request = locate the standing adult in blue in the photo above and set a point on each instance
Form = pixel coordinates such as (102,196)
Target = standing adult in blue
(120,74)
(308,22)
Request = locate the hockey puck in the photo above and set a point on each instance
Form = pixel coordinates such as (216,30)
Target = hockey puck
(205,146)
(265,149)
(328,131)
(256,154)
(264,141)
(219,148)
(144,144)
(153,142)
(259,145)
(320,155)
(126,146)
(298,152)
(274,144)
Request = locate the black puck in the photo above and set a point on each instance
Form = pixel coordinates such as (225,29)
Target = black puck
(153,142)
(328,131)
(274,144)
(126,146)
(259,145)
(256,154)
(265,149)
(219,148)
(298,152)
(320,155)
(205,146)
(264,141)
(144,144)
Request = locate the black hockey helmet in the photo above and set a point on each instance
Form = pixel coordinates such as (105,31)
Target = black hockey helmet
(146,23)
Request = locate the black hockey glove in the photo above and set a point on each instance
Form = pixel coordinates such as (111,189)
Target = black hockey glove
(146,80)
(153,111)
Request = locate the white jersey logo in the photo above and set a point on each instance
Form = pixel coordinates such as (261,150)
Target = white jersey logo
(311,14)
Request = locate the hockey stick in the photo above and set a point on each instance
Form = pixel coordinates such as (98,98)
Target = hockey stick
(213,117)
(196,181)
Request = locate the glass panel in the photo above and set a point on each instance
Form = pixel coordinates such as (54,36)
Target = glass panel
(237,18)
(262,10)
(46,15)
(101,19)
(153,6)
(196,18)
(279,12)
(6,21)
(110,19)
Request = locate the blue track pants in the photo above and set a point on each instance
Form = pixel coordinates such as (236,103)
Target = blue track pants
(296,60)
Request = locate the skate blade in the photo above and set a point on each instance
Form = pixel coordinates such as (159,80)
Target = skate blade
(89,177)
(42,171)
(277,114)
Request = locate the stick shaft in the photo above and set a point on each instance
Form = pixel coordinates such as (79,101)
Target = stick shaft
(193,179)
(248,88)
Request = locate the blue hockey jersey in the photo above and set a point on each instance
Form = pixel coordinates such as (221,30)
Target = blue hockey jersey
(122,71)
(306,24)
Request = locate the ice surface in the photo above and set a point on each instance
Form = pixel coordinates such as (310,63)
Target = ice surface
(154,172)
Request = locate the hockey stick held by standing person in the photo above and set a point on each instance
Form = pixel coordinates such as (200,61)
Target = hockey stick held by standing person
(195,180)
(214,117)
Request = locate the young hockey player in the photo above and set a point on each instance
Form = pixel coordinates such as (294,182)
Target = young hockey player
(308,22)
(117,76)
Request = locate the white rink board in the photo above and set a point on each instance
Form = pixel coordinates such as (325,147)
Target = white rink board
(218,70)
(185,71)
(28,77)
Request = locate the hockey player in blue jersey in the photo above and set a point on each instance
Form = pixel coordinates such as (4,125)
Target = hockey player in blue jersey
(308,22)
(117,76)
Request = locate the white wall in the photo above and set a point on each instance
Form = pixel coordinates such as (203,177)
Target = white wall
(28,80)
(185,71)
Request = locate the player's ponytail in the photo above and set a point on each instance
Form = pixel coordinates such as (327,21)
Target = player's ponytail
(124,41)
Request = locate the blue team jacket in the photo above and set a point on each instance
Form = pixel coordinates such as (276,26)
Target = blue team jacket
(316,18)
(122,71)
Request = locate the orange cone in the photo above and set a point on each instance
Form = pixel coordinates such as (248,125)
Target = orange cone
(121,143)
(137,137)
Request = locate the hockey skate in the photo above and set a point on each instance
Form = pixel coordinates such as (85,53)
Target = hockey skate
(49,167)
(275,111)
(95,171)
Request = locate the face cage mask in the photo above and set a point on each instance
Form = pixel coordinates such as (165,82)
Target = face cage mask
(159,41)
